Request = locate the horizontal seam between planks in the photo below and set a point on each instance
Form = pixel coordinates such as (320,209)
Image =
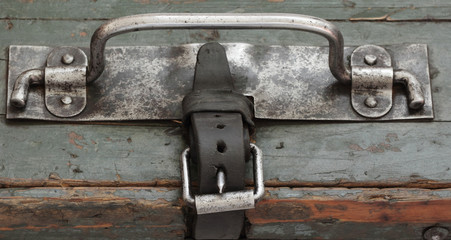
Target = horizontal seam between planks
(177,184)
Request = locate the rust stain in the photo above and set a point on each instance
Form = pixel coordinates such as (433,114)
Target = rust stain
(26,1)
(72,34)
(73,137)
(83,34)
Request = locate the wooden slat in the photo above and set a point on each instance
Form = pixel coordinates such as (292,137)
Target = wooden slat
(334,10)
(91,213)
(157,213)
(295,154)
(302,213)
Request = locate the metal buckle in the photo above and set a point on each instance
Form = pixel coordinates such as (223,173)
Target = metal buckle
(229,201)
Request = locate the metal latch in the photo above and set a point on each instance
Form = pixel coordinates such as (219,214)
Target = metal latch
(285,82)
(372,82)
(224,202)
(64,80)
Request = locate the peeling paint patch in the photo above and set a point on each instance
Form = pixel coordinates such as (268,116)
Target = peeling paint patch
(72,139)
(356,147)
(379,147)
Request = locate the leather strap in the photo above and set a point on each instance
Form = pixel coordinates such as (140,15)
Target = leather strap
(218,120)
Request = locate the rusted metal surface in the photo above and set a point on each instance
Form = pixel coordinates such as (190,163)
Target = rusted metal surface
(135,86)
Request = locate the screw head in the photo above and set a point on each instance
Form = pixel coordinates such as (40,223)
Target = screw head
(370,102)
(436,233)
(370,59)
(66,100)
(67,58)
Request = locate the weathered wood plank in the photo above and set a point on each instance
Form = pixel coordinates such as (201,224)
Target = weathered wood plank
(91,213)
(348,213)
(75,33)
(295,154)
(157,213)
(332,10)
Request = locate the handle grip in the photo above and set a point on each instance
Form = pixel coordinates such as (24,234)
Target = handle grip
(218,21)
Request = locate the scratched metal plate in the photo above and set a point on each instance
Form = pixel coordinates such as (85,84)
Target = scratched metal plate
(286,82)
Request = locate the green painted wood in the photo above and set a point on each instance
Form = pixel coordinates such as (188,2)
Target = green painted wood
(295,153)
(333,10)
(75,33)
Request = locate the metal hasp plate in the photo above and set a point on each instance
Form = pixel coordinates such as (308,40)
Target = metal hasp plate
(286,82)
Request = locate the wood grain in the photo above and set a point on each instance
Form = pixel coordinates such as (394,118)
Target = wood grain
(157,213)
(91,213)
(316,213)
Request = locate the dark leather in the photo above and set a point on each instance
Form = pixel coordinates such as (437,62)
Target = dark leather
(218,121)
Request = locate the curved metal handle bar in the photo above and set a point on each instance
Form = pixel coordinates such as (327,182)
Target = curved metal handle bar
(218,21)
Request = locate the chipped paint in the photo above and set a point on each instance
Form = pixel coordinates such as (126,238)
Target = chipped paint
(73,138)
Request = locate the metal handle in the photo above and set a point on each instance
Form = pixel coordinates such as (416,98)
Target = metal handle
(218,21)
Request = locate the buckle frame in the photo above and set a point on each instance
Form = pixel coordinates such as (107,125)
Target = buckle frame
(229,201)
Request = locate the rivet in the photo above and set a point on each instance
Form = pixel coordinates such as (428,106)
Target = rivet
(67,58)
(370,102)
(370,59)
(66,100)
(436,233)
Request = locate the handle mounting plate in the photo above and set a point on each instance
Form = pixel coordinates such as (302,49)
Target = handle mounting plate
(285,82)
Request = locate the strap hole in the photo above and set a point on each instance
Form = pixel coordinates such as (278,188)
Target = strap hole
(217,115)
(221,146)
(220,126)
